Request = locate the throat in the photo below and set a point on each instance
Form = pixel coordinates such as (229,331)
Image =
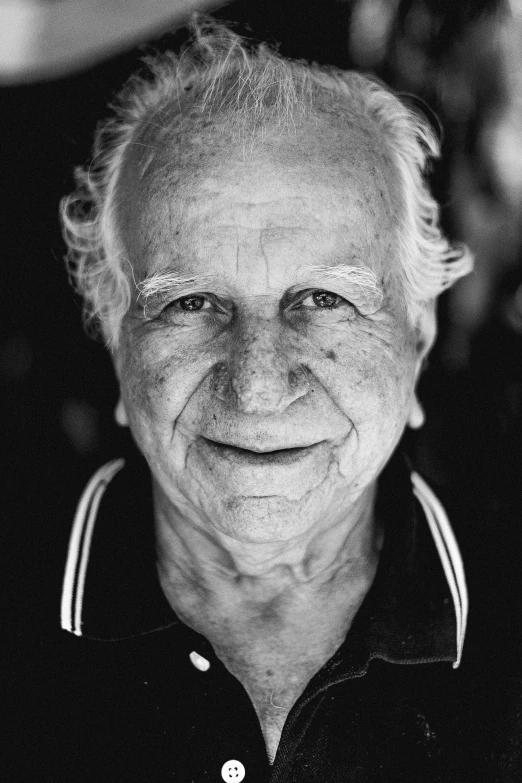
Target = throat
(274,620)
(256,617)
(275,646)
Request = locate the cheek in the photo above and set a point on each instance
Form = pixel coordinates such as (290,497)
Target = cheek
(157,381)
(365,366)
(371,379)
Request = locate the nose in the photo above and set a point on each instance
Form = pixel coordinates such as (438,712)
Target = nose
(259,378)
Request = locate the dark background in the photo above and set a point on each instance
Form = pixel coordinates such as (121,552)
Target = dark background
(57,386)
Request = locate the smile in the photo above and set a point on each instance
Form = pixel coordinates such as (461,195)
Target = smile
(238,455)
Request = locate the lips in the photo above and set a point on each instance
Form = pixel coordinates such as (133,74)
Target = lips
(237,454)
(234,472)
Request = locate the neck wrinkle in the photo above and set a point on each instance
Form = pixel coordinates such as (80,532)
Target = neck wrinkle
(191,558)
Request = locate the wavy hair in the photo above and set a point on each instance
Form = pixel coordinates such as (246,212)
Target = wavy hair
(220,76)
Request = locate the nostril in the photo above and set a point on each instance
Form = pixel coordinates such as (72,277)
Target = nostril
(298,378)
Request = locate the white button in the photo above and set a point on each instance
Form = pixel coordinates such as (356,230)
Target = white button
(233,771)
(200,663)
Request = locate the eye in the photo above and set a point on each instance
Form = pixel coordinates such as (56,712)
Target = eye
(322,299)
(193,303)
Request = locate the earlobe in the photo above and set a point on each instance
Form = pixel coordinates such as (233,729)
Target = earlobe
(120,414)
(426,329)
(416,417)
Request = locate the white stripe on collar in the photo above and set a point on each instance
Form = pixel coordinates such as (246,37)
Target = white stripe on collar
(449,554)
(80,545)
(85,519)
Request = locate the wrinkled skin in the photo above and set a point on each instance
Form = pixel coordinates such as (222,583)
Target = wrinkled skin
(269,555)
(262,366)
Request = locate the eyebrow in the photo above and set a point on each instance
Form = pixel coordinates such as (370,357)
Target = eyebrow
(359,276)
(170,283)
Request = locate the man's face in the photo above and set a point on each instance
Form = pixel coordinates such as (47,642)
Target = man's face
(266,396)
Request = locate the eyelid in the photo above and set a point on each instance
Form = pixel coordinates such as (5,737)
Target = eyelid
(211,299)
(365,302)
(302,295)
(325,291)
(205,297)
(176,303)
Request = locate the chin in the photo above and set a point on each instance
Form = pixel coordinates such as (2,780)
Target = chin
(260,520)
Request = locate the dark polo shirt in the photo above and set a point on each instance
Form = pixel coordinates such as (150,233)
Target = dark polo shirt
(129,693)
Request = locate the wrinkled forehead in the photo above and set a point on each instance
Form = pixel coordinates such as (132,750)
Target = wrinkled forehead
(319,164)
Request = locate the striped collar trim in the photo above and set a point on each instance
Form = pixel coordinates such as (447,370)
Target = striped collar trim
(449,554)
(73,589)
(80,546)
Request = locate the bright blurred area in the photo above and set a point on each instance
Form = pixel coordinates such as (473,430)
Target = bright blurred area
(44,39)
(61,61)
(465,60)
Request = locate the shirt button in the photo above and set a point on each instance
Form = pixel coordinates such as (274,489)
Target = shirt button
(199,662)
(233,771)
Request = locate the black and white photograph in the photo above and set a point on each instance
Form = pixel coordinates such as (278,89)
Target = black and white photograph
(261,379)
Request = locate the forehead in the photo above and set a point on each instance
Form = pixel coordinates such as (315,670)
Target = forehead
(322,191)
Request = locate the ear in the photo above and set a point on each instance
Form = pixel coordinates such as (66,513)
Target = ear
(120,414)
(416,416)
(426,333)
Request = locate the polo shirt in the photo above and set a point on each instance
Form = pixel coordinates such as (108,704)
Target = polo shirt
(128,692)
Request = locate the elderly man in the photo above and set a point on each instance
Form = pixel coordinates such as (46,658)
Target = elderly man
(260,251)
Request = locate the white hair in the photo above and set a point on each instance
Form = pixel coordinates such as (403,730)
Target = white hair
(222,77)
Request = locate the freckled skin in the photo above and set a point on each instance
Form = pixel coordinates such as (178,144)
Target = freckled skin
(259,377)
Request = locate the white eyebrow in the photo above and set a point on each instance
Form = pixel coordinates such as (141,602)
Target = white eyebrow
(355,275)
(170,282)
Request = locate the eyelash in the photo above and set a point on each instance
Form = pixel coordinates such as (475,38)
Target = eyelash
(300,303)
(318,291)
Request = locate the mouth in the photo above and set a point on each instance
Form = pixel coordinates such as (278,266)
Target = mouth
(285,456)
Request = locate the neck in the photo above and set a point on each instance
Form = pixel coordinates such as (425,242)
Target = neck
(197,562)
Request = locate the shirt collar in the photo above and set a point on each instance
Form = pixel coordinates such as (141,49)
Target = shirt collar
(415,610)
